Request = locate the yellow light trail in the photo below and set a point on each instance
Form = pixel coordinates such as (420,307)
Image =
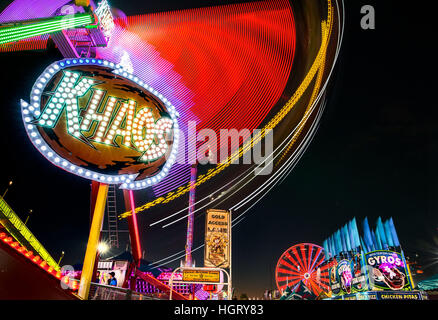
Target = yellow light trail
(318,64)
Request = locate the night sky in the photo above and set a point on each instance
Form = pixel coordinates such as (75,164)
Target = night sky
(375,153)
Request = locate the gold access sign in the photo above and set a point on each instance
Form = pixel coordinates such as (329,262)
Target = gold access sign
(217,239)
(201,275)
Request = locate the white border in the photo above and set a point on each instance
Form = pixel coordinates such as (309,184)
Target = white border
(31,111)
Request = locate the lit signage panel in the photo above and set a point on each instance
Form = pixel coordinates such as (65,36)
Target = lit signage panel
(346,277)
(217,239)
(200,275)
(387,270)
(100,122)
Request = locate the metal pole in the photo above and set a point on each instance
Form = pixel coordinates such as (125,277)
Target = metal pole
(25,222)
(190,217)
(93,240)
(230,282)
(171,283)
(133,226)
(10,183)
(62,256)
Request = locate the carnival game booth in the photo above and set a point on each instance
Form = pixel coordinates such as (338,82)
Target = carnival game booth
(370,265)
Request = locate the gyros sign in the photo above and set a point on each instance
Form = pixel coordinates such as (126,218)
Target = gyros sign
(96,120)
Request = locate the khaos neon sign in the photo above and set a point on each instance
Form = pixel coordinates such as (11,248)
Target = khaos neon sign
(96,120)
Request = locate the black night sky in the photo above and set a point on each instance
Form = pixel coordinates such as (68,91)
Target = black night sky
(375,153)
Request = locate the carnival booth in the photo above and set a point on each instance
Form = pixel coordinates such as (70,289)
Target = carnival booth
(370,265)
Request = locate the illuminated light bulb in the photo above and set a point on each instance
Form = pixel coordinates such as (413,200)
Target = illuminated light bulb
(43,148)
(50,154)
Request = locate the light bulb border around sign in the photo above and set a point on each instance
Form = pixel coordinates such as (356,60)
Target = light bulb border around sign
(31,111)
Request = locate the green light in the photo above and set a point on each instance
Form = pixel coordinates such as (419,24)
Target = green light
(36,33)
(39,31)
(45,29)
(45,22)
(55,20)
(39,27)
(16,33)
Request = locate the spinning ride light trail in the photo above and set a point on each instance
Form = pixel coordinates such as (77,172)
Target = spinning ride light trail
(316,66)
(294,133)
(288,164)
(165,71)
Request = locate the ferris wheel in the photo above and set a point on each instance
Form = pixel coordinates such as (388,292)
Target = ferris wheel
(303,262)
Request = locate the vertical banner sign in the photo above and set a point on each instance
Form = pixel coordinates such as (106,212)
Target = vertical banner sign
(217,239)
(347,276)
